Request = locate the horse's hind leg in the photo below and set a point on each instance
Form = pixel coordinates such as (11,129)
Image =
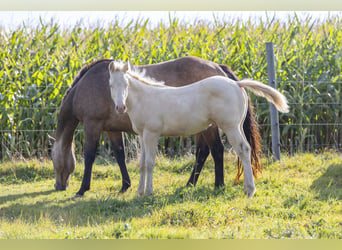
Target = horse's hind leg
(208,139)
(212,137)
(202,152)
(91,141)
(243,150)
(119,153)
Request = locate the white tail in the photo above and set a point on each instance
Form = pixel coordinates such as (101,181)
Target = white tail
(263,90)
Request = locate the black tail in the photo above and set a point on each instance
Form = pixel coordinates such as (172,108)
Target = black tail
(251,130)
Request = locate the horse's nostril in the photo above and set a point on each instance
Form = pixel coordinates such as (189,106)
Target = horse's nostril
(121,109)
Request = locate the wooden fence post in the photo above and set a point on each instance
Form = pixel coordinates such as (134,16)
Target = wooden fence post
(273,110)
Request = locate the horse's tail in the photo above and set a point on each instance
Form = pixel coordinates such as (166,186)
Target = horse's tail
(263,90)
(251,131)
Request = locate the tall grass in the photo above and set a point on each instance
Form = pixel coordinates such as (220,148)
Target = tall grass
(37,64)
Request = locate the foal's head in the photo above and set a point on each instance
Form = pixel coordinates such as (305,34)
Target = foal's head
(118,84)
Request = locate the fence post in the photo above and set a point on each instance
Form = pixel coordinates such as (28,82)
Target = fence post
(273,110)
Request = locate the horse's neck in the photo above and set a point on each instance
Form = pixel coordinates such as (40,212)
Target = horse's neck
(139,88)
(138,92)
(66,125)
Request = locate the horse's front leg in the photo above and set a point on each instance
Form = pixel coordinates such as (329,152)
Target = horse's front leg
(119,153)
(150,141)
(142,168)
(91,140)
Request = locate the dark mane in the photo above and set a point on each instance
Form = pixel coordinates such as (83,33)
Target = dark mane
(82,72)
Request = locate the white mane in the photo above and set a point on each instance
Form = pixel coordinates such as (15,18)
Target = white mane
(140,76)
(134,73)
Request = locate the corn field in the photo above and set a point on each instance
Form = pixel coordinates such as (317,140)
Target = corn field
(37,65)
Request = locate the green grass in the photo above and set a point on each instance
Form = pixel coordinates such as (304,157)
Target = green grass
(299,197)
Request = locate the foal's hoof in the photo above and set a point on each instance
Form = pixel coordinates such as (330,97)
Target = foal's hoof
(140,192)
(250,192)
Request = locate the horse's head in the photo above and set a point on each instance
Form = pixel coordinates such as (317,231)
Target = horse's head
(118,84)
(63,160)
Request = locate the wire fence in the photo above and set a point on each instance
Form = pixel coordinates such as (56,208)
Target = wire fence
(303,135)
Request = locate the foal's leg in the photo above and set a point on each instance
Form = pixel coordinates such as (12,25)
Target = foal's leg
(142,168)
(119,153)
(150,141)
(243,150)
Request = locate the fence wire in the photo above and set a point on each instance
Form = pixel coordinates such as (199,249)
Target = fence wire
(304,136)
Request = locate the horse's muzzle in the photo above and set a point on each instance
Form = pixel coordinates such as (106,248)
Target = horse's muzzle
(121,109)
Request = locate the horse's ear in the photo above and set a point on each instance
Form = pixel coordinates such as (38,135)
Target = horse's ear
(129,66)
(111,67)
(126,67)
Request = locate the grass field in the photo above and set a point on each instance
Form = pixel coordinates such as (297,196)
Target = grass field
(299,197)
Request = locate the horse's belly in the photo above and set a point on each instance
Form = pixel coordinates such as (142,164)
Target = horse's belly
(182,128)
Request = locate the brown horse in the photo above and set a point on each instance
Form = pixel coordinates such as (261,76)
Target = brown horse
(88,101)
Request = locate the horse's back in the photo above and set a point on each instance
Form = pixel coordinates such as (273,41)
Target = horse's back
(182,71)
(213,88)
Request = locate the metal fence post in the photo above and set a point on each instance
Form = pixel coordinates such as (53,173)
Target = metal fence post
(273,110)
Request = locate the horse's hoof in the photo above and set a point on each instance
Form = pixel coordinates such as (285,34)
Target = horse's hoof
(121,192)
(140,193)
(148,192)
(250,193)
(124,189)
(190,184)
(60,187)
(219,186)
(77,196)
